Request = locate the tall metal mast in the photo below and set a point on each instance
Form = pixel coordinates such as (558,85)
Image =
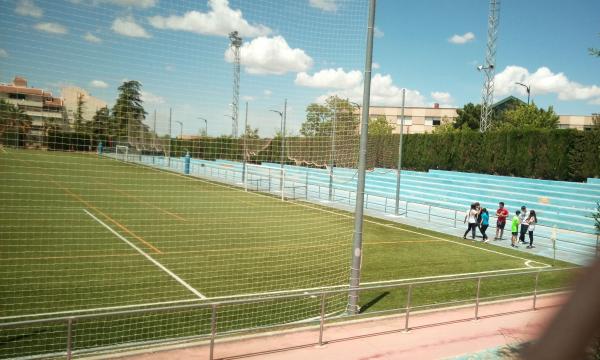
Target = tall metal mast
(489,67)
(236,42)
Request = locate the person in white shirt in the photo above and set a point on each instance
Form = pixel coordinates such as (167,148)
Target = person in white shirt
(471,217)
(524,225)
(531,221)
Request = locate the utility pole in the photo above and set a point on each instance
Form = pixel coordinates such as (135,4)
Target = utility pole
(353,307)
(235,43)
(400,155)
(489,67)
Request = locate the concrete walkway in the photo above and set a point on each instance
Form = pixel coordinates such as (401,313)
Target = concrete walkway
(440,334)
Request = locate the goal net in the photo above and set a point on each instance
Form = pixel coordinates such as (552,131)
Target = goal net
(148,170)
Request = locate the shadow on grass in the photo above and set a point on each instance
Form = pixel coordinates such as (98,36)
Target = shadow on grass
(374,301)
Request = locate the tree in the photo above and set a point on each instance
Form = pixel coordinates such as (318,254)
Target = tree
(319,118)
(250,133)
(79,121)
(468,117)
(594,52)
(380,126)
(528,116)
(99,125)
(128,110)
(16,119)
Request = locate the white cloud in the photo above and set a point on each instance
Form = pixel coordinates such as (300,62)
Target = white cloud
(542,81)
(462,39)
(330,78)
(267,93)
(383,93)
(220,20)
(169,68)
(377,32)
(444,99)
(375,65)
(3,54)
(52,28)
(265,55)
(151,98)
(28,8)
(595,102)
(325,5)
(128,27)
(98,84)
(248,98)
(89,37)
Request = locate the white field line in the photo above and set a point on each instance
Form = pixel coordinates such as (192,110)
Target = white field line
(177,278)
(339,214)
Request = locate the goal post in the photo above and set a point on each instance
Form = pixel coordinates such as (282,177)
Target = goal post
(122,152)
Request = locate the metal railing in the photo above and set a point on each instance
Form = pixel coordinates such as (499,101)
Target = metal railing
(70,322)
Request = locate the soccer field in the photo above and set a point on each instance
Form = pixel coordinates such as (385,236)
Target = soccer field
(82,234)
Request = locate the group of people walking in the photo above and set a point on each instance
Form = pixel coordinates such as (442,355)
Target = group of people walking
(522,223)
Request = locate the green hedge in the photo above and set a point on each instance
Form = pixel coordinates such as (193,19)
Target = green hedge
(541,153)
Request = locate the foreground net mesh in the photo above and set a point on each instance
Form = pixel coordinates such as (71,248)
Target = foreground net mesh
(127,183)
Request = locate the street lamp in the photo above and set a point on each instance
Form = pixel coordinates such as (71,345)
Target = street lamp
(205,125)
(180,129)
(527,88)
(481,67)
(282,115)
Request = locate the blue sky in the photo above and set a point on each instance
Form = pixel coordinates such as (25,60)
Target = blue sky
(302,50)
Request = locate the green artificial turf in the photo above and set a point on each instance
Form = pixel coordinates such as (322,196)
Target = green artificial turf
(73,228)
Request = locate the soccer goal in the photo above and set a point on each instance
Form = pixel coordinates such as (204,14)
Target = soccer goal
(122,152)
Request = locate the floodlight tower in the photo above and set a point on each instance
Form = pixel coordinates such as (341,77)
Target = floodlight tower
(236,42)
(489,67)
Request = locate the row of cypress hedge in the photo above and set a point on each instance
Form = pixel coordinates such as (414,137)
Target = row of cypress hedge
(555,154)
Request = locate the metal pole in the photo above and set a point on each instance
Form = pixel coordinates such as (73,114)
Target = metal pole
(407,312)
(400,154)
(597,245)
(537,275)
(362,164)
(322,321)
(245,151)
(332,155)
(213,330)
(154,131)
(455,215)
(553,236)
(69,338)
(170,123)
(477,298)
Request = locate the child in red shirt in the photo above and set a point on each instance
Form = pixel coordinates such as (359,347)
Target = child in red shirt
(501,214)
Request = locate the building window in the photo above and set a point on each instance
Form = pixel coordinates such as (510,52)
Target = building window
(407,120)
(433,121)
(16,96)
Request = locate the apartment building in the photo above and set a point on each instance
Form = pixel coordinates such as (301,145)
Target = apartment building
(44,109)
(417,120)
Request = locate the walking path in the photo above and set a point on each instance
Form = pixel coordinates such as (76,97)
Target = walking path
(440,334)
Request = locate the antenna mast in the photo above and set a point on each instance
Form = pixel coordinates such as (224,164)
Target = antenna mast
(489,67)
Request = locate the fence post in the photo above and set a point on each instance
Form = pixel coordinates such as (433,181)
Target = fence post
(597,245)
(477,298)
(306,189)
(69,338)
(367,201)
(537,275)
(429,214)
(385,206)
(213,330)
(406,209)
(322,323)
(407,312)
(455,215)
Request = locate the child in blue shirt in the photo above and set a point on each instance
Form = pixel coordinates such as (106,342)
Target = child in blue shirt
(485,222)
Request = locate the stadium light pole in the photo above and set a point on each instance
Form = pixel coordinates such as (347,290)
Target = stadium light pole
(362,165)
(399,170)
(527,88)
(205,125)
